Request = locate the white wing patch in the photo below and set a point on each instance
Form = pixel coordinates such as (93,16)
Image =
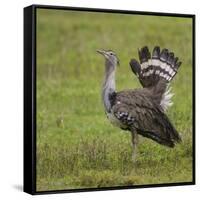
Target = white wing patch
(114,121)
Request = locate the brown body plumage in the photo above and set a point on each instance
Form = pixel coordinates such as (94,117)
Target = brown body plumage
(142,111)
(138,111)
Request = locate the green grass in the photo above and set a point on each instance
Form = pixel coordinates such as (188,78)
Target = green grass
(76,146)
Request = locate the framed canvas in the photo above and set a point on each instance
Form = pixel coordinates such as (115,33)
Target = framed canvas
(98,111)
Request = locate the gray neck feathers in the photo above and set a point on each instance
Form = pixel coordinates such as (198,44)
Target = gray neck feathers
(109,85)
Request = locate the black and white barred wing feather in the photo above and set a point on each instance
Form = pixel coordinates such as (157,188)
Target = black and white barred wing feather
(156,71)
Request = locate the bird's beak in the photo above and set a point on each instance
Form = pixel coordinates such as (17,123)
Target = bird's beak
(102,52)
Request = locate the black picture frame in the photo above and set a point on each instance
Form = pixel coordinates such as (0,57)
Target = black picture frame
(30,69)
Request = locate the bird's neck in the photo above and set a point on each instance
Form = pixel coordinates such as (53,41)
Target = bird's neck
(108,85)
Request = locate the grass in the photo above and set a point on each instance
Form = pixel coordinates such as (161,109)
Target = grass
(76,146)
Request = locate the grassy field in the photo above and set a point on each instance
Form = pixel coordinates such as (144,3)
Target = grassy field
(76,146)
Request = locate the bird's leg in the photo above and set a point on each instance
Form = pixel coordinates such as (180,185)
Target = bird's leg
(134,140)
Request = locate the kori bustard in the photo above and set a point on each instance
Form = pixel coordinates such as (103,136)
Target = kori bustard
(142,111)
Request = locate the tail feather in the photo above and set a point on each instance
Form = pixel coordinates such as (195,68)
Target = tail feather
(144,54)
(156,71)
(156,53)
(159,65)
(166,99)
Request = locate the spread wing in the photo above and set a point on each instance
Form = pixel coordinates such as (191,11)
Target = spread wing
(136,110)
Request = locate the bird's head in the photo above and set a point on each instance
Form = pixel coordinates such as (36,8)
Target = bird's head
(110,57)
